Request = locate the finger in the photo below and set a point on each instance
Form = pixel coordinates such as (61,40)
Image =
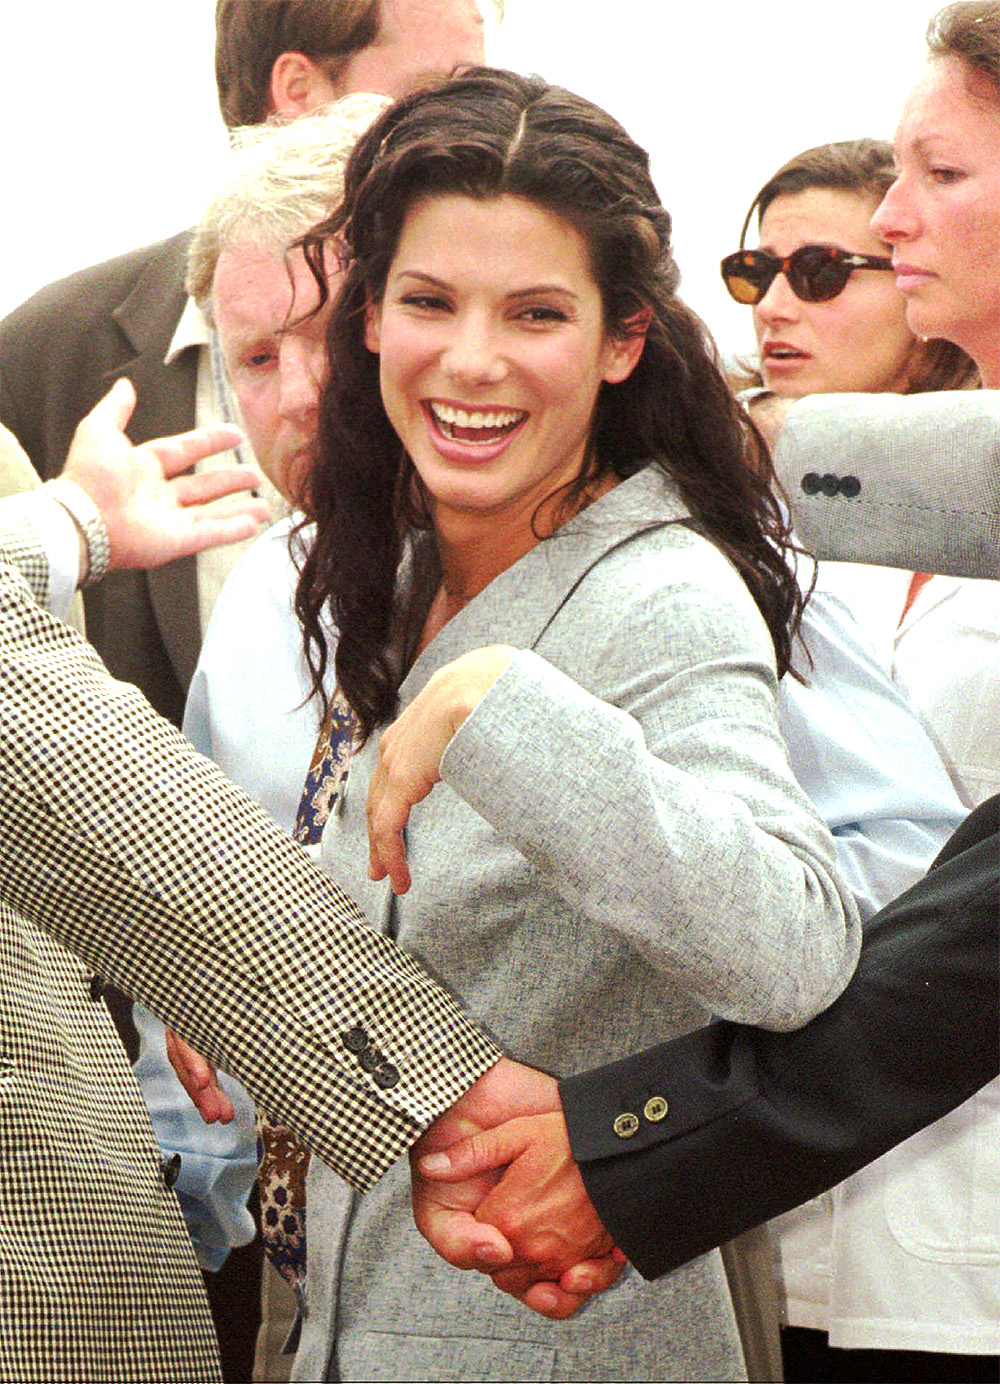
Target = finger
(176,454)
(198,1077)
(386,844)
(214,533)
(549,1300)
(118,403)
(214,1106)
(460,1239)
(194,1072)
(517,1278)
(593,1275)
(480,1153)
(388,857)
(207,486)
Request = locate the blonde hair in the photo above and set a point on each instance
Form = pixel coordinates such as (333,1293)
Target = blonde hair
(282,179)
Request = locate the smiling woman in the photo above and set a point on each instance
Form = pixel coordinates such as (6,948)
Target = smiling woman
(493,350)
(544,532)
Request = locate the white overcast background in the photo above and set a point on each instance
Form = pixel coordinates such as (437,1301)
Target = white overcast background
(113,137)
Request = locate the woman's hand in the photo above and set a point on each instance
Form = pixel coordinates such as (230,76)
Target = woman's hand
(410,753)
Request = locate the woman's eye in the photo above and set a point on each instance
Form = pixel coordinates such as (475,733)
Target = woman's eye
(426,302)
(946,175)
(540,313)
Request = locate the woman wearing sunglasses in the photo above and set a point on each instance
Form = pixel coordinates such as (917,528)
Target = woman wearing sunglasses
(901,1264)
(827,314)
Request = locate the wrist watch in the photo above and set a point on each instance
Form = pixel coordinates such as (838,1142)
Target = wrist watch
(87,517)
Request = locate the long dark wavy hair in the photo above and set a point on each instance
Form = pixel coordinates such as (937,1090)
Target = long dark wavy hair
(867,168)
(486,134)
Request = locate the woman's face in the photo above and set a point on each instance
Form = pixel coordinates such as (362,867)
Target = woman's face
(858,341)
(942,214)
(492,350)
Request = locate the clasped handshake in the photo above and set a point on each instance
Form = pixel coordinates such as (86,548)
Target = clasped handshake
(495,1187)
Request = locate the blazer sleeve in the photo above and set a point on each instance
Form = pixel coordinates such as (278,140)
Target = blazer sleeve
(652,790)
(901,481)
(759,1122)
(138,855)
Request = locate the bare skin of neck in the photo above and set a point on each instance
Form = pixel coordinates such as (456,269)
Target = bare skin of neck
(476,548)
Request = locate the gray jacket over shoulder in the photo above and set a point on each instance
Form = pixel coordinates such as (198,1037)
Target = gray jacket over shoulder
(617,850)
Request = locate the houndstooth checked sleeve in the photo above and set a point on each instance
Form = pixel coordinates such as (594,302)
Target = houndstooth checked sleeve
(137,854)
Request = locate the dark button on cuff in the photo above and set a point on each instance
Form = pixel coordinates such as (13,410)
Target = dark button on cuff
(850,487)
(96,987)
(626,1125)
(355,1039)
(811,483)
(170,1169)
(385,1076)
(829,484)
(370,1059)
(656,1109)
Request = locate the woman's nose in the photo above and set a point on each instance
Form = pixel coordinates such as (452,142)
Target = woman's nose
(472,353)
(894,217)
(779,303)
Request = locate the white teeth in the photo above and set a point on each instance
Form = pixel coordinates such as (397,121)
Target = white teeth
(465,418)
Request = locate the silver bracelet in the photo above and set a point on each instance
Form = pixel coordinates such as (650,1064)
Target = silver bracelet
(87,517)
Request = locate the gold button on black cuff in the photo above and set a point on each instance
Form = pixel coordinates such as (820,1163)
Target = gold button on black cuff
(655,1109)
(626,1125)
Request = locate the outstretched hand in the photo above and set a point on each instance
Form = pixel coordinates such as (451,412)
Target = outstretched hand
(495,1188)
(152,512)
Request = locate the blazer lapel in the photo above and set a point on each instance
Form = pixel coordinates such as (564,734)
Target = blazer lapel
(165,404)
(531,593)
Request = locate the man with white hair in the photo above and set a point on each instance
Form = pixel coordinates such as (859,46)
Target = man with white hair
(254,287)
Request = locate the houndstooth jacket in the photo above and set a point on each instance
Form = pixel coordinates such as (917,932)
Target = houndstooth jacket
(119,842)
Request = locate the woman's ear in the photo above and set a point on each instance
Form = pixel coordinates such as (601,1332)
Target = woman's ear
(373,326)
(623,352)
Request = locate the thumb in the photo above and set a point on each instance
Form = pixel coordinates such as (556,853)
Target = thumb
(479,1153)
(119,402)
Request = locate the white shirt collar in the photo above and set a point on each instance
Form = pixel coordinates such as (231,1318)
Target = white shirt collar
(191,330)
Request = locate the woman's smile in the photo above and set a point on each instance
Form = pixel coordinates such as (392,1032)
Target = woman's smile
(482,432)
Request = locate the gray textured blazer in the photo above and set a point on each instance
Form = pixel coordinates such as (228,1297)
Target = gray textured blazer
(618,849)
(903,481)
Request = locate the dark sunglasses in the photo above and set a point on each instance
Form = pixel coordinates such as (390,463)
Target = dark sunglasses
(815,273)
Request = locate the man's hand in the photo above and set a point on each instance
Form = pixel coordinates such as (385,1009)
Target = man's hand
(153,513)
(546,1245)
(199,1079)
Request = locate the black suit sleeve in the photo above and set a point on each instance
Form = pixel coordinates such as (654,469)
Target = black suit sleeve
(758,1122)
